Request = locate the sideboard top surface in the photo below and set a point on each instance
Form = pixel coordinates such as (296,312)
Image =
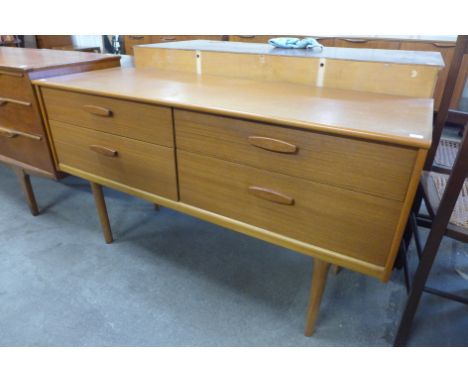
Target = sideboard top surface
(25,59)
(348,54)
(386,118)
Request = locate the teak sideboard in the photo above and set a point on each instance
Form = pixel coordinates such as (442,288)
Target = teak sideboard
(23,140)
(319,152)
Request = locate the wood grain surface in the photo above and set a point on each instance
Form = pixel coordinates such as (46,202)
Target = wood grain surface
(142,165)
(357,225)
(25,59)
(147,123)
(368,167)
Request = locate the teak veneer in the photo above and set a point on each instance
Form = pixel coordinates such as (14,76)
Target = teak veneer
(327,167)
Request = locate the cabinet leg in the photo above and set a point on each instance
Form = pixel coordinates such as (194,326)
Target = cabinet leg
(156,207)
(319,279)
(26,186)
(102,211)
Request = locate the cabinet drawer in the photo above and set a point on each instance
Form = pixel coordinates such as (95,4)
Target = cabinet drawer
(168,38)
(15,85)
(135,120)
(171,38)
(32,150)
(326,41)
(251,38)
(378,169)
(131,40)
(366,43)
(354,224)
(136,164)
(264,38)
(20,116)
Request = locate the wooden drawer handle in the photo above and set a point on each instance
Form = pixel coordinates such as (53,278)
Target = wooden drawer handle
(247,36)
(4,101)
(444,44)
(357,40)
(9,133)
(168,38)
(272,196)
(104,150)
(136,37)
(98,110)
(272,144)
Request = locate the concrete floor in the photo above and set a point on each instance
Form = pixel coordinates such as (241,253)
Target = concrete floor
(173,280)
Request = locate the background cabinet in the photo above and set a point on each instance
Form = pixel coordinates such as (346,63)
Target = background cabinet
(131,40)
(365,43)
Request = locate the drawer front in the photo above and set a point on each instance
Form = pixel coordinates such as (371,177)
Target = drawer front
(133,163)
(365,43)
(378,169)
(15,85)
(357,225)
(326,41)
(251,38)
(132,40)
(147,123)
(20,116)
(170,38)
(31,150)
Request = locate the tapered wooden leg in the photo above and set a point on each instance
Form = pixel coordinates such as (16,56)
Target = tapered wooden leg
(26,186)
(102,211)
(319,279)
(156,207)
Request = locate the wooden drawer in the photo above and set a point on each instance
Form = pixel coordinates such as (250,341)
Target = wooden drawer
(251,38)
(135,120)
(136,164)
(326,41)
(378,169)
(15,85)
(20,116)
(365,43)
(171,38)
(24,148)
(354,224)
(447,50)
(131,40)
